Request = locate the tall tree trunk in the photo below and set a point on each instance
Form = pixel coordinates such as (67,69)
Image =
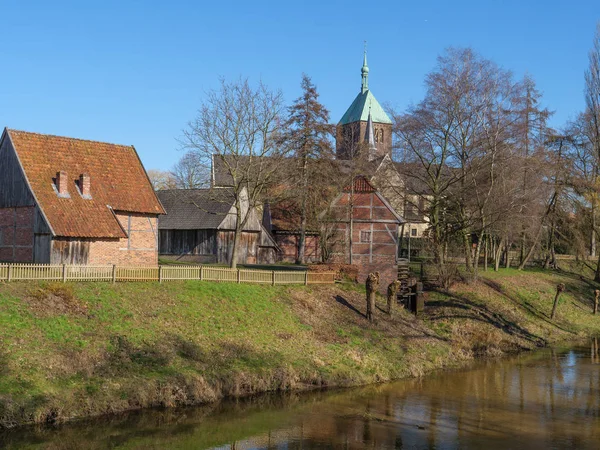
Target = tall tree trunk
(533,246)
(597,274)
(485,255)
(235,250)
(468,251)
(303,213)
(507,254)
(593,235)
(498,256)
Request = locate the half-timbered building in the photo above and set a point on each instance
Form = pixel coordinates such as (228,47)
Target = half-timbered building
(366,231)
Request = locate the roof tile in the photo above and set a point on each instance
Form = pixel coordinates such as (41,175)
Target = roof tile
(118,183)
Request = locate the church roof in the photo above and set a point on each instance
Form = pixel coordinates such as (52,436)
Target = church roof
(365,102)
(359,110)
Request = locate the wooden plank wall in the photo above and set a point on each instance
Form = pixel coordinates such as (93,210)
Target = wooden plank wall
(187,242)
(69,251)
(248,250)
(13,186)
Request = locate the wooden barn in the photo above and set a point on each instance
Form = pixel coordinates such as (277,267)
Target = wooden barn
(366,226)
(199,227)
(72,201)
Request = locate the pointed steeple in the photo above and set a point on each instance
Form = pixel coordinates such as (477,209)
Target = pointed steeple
(370,137)
(364,85)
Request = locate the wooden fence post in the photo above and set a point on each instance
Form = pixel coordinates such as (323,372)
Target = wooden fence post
(64,273)
(9,275)
(160,279)
(201,272)
(114,273)
(273,278)
(306,278)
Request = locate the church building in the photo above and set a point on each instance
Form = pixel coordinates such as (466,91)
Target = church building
(364,125)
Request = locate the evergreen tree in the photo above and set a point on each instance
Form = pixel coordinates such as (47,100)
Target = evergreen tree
(309,138)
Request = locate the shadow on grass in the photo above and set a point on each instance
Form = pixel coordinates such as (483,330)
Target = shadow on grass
(483,314)
(4,371)
(531,309)
(126,358)
(342,301)
(523,303)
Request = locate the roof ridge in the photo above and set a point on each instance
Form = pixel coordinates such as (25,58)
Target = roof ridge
(68,138)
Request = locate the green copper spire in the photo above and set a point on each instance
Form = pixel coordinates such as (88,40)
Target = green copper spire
(364,86)
(365,103)
(370,137)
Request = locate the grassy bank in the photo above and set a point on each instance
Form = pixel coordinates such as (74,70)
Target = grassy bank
(75,350)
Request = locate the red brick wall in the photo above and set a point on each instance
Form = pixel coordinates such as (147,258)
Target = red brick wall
(349,136)
(139,249)
(289,247)
(16,234)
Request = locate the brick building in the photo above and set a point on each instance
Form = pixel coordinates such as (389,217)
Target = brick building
(366,231)
(72,201)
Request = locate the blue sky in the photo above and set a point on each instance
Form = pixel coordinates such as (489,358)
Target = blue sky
(135,72)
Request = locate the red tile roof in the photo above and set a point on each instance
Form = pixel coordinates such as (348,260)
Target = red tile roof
(118,183)
(361,184)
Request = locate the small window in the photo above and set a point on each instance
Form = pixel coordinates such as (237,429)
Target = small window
(365,236)
(413,232)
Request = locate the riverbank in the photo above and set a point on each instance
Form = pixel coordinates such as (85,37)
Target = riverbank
(77,350)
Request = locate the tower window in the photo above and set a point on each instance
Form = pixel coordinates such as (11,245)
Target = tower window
(365,236)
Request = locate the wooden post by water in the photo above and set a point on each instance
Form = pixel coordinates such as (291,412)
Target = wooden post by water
(596,297)
(559,290)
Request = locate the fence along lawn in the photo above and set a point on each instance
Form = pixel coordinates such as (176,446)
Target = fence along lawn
(62,272)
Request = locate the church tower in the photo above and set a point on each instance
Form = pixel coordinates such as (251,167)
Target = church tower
(365,126)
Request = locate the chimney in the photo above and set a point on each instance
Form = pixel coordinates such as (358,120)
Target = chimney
(84,185)
(61,184)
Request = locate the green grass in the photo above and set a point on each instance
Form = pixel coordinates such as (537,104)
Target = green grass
(78,349)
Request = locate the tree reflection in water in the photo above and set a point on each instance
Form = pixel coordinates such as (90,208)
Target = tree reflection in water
(548,399)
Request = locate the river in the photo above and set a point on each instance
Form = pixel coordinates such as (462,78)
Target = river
(540,400)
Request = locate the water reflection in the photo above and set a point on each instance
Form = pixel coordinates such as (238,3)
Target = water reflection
(549,399)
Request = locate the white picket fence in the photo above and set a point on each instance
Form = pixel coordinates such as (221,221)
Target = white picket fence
(64,273)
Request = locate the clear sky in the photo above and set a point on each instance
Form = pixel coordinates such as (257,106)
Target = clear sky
(135,72)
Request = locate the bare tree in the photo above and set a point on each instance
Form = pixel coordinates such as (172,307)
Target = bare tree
(162,179)
(592,100)
(190,173)
(236,134)
(460,143)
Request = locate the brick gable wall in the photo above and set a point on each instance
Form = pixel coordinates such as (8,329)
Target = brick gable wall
(139,249)
(16,234)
